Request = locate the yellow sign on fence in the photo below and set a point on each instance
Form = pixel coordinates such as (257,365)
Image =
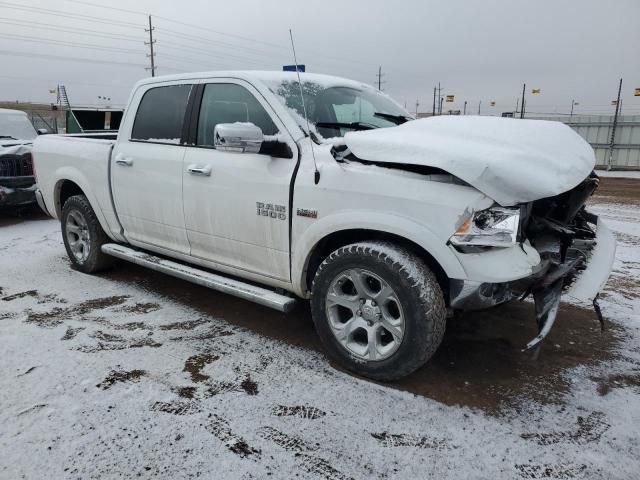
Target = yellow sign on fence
(535,90)
(450,98)
(493,104)
(637,92)
(614,102)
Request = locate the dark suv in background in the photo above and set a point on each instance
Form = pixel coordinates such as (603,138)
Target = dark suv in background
(17,180)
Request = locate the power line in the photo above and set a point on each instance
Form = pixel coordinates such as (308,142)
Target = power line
(178,46)
(51,41)
(217,32)
(70,82)
(75,30)
(249,50)
(200,39)
(86,18)
(193,61)
(13,53)
(110,8)
(255,40)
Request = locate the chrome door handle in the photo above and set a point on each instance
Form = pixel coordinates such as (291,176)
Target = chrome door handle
(124,161)
(199,170)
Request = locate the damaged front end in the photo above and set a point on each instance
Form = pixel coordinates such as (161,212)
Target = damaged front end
(17,180)
(576,252)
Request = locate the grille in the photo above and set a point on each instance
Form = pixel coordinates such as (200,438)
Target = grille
(16,165)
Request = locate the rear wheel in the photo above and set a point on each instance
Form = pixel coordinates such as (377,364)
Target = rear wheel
(83,236)
(378,309)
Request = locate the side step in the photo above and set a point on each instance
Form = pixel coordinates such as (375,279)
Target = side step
(237,288)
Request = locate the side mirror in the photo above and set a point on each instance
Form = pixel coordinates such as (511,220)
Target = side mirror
(42,131)
(237,137)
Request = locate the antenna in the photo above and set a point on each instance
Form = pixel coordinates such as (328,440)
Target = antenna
(316,175)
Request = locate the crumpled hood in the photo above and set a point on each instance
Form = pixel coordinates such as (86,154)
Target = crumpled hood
(15,147)
(509,160)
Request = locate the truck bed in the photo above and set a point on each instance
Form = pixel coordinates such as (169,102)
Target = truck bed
(82,159)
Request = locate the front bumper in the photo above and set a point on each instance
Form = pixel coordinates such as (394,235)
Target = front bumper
(18,196)
(580,277)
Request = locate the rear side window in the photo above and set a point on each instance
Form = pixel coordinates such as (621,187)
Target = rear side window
(160,115)
(230,103)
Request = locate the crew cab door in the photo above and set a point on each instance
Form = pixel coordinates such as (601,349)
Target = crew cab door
(146,169)
(237,204)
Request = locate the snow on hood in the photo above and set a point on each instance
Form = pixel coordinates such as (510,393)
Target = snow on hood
(509,160)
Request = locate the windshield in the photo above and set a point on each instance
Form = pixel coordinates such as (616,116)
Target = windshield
(14,126)
(336,110)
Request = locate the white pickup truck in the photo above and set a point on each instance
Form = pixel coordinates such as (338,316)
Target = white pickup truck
(386,223)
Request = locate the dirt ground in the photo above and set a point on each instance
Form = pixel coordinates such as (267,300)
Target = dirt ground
(223,353)
(619,190)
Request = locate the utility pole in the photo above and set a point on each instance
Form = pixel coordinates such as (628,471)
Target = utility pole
(613,130)
(464,112)
(479,105)
(150,43)
(573,102)
(434,102)
(524,85)
(439,99)
(380,75)
(440,109)
(417,105)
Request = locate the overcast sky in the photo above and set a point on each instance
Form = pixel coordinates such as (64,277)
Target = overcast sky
(480,50)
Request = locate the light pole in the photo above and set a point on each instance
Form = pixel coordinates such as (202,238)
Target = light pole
(613,129)
(573,104)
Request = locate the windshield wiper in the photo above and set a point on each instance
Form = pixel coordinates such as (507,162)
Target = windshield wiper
(352,125)
(397,119)
(8,136)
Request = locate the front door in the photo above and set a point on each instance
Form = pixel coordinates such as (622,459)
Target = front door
(237,204)
(147,171)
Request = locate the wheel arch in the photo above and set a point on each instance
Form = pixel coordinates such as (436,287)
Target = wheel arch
(70,182)
(341,238)
(334,231)
(64,189)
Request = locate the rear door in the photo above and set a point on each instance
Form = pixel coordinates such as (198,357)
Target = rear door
(147,169)
(237,214)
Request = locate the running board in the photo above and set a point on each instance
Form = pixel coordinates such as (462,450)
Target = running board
(260,295)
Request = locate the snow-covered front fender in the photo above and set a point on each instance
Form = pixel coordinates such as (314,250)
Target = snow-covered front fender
(367,220)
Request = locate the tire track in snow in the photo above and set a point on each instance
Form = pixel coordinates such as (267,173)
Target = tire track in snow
(589,430)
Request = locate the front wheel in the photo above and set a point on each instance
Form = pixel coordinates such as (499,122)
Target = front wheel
(378,309)
(83,236)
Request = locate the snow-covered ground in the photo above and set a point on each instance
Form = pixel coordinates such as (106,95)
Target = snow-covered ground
(123,375)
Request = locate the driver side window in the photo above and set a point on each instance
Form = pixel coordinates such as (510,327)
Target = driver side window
(230,103)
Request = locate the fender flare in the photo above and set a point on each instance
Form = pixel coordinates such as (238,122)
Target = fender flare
(382,222)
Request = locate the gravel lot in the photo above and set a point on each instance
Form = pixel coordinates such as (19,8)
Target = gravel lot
(135,374)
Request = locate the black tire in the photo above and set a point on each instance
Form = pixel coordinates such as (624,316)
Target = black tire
(415,287)
(74,208)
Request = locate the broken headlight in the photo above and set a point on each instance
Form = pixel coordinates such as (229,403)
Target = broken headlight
(493,227)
